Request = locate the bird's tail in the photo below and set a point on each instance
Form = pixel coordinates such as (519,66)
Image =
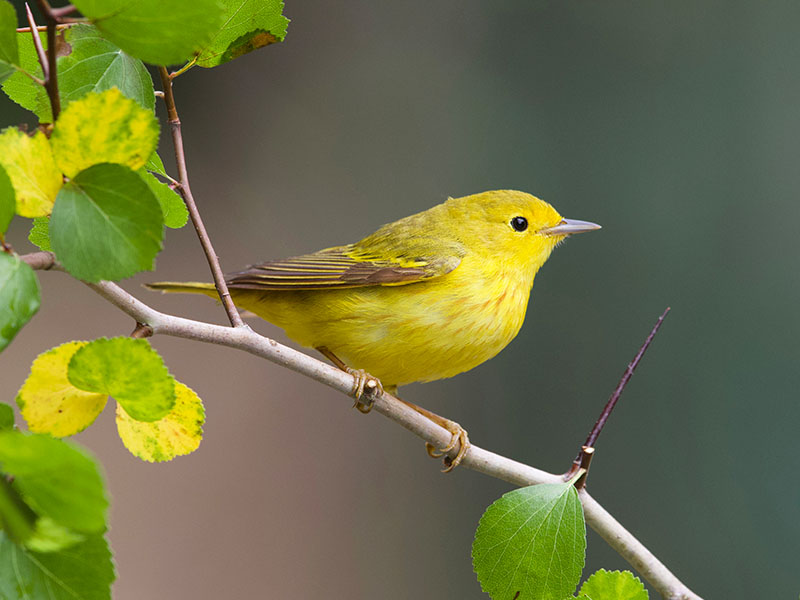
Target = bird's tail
(187,287)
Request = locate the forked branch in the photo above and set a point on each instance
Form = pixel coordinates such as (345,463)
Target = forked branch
(477,459)
(186,192)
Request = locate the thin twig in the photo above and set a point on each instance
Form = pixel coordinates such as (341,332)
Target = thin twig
(62,11)
(478,459)
(44,27)
(51,72)
(582,460)
(37,42)
(186,192)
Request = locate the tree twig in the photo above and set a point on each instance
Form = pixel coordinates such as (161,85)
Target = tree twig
(186,192)
(477,459)
(587,450)
(51,74)
(62,11)
(37,43)
(44,27)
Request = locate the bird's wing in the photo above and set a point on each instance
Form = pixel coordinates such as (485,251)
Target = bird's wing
(346,267)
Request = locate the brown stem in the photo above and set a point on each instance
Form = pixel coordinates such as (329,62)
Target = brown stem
(37,42)
(63,11)
(43,27)
(186,192)
(50,72)
(589,445)
(39,261)
(585,456)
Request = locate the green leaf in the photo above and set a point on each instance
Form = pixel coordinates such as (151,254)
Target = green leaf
(531,541)
(86,63)
(56,479)
(21,88)
(155,164)
(28,162)
(94,65)
(8,201)
(106,224)
(614,585)
(104,127)
(249,24)
(6,417)
(49,536)
(172,205)
(19,296)
(16,517)
(129,370)
(9,53)
(39,234)
(149,30)
(84,571)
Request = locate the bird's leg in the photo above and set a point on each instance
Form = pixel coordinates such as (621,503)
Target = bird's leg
(365,387)
(459,438)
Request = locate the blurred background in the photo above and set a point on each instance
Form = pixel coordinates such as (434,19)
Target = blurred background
(674,125)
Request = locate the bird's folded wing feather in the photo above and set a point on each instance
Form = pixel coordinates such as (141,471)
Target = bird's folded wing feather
(348,267)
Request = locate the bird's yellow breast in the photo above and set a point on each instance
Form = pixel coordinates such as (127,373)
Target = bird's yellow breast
(417,332)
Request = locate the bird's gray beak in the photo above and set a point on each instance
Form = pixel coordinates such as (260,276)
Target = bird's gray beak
(569,226)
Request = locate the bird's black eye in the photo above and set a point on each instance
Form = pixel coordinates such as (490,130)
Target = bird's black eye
(519,223)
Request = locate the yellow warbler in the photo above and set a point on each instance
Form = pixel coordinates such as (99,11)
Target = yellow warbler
(424,298)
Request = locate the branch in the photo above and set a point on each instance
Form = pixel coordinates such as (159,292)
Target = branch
(477,459)
(44,27)
(37,42)
(584,458)
(186,192)
(51,72)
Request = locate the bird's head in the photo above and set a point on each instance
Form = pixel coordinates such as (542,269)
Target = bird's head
(513,227)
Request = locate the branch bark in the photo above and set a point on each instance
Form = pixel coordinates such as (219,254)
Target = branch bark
(51,72)
(477,459)
(186,191)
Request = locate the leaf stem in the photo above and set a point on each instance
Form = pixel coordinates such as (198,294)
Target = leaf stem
(183,69)
(186,192)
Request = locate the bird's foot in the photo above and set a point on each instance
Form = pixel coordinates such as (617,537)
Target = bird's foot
(459,439)
(365,389)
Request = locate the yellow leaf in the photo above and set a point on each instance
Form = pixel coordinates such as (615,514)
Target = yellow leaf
(32,171)
(50,403)
(176,434)
(103,127)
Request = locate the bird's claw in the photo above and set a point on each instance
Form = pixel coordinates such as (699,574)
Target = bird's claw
(459,438)
(365,389)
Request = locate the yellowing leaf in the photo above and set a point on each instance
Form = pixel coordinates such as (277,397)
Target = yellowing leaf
(176,434)
(29,163)
(103,127)
(50,403)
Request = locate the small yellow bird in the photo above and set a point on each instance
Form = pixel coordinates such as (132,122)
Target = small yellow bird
(424,298)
